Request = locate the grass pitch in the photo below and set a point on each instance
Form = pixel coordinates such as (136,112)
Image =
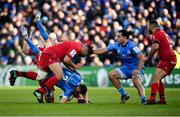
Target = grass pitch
(19,101)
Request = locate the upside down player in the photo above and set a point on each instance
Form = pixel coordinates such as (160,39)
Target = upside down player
(161,43)
(132,64)
(70,84)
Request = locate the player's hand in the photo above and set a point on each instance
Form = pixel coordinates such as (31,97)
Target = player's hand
(81,101)
(135,73)
(79,65)
(145,58)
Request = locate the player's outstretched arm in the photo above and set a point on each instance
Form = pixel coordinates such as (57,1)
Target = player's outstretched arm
(100,51)
(68,62)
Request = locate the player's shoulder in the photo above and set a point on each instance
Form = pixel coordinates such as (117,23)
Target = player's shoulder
(114,45)
(131,44)
(158,33)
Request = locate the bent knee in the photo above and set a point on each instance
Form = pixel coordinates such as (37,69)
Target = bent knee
(59,76)
(113,75)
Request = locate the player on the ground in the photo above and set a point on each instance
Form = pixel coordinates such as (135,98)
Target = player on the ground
(132,64)
(161,43)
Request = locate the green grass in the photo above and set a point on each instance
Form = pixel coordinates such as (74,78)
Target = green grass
(19,101)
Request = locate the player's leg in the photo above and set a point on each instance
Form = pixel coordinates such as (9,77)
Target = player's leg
(42,30)
(114,77)
(34,49)
(141,90)
(25,47)
(159,74)
(28,74)
(58,75)
(161,92)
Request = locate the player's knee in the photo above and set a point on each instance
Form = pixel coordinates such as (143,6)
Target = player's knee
(41,75)
(25,51)
(112,76)
(59,76)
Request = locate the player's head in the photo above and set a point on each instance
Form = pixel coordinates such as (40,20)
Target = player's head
(86,50)
(153,25)
(122,36)
(81,89)
(53,38)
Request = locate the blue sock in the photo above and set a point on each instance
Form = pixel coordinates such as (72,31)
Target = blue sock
(122,91)
(42,30)
(143,98)
(34,49)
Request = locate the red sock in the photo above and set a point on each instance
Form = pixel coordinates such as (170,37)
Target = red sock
(154,89)
(49,84)
(20,73)
(161,90)
(29,75)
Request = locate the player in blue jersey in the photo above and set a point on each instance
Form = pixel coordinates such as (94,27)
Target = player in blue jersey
(132,64)
(72,85)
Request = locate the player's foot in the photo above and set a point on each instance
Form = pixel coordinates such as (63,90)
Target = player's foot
(150,102)
(24,32)
(143,101)
(49,96)
(161,102)
(124,98)
(37,15)
(39,96)
(12,78)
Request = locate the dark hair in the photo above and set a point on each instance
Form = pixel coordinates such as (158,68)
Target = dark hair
(90,49)
(154,23)
(125,33)
(83,89)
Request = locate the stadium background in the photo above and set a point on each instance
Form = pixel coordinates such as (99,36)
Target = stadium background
(93,22)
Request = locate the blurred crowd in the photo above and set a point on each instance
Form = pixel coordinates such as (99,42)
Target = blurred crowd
(93,22)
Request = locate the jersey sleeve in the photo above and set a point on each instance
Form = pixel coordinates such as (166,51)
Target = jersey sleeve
(156,38)
(71,53)
(136,51)
(68,93)
(74,50)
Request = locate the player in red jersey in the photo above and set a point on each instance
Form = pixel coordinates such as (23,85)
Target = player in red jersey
(161,43)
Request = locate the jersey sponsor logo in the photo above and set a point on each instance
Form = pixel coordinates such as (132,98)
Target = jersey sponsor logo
(136,49)
(73,53)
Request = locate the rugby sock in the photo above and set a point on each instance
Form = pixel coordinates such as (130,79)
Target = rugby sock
(154,89)
(29,75)
(143,98)
(122,91)
(34,49)
(161,90)
(42,30)
(49,84)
